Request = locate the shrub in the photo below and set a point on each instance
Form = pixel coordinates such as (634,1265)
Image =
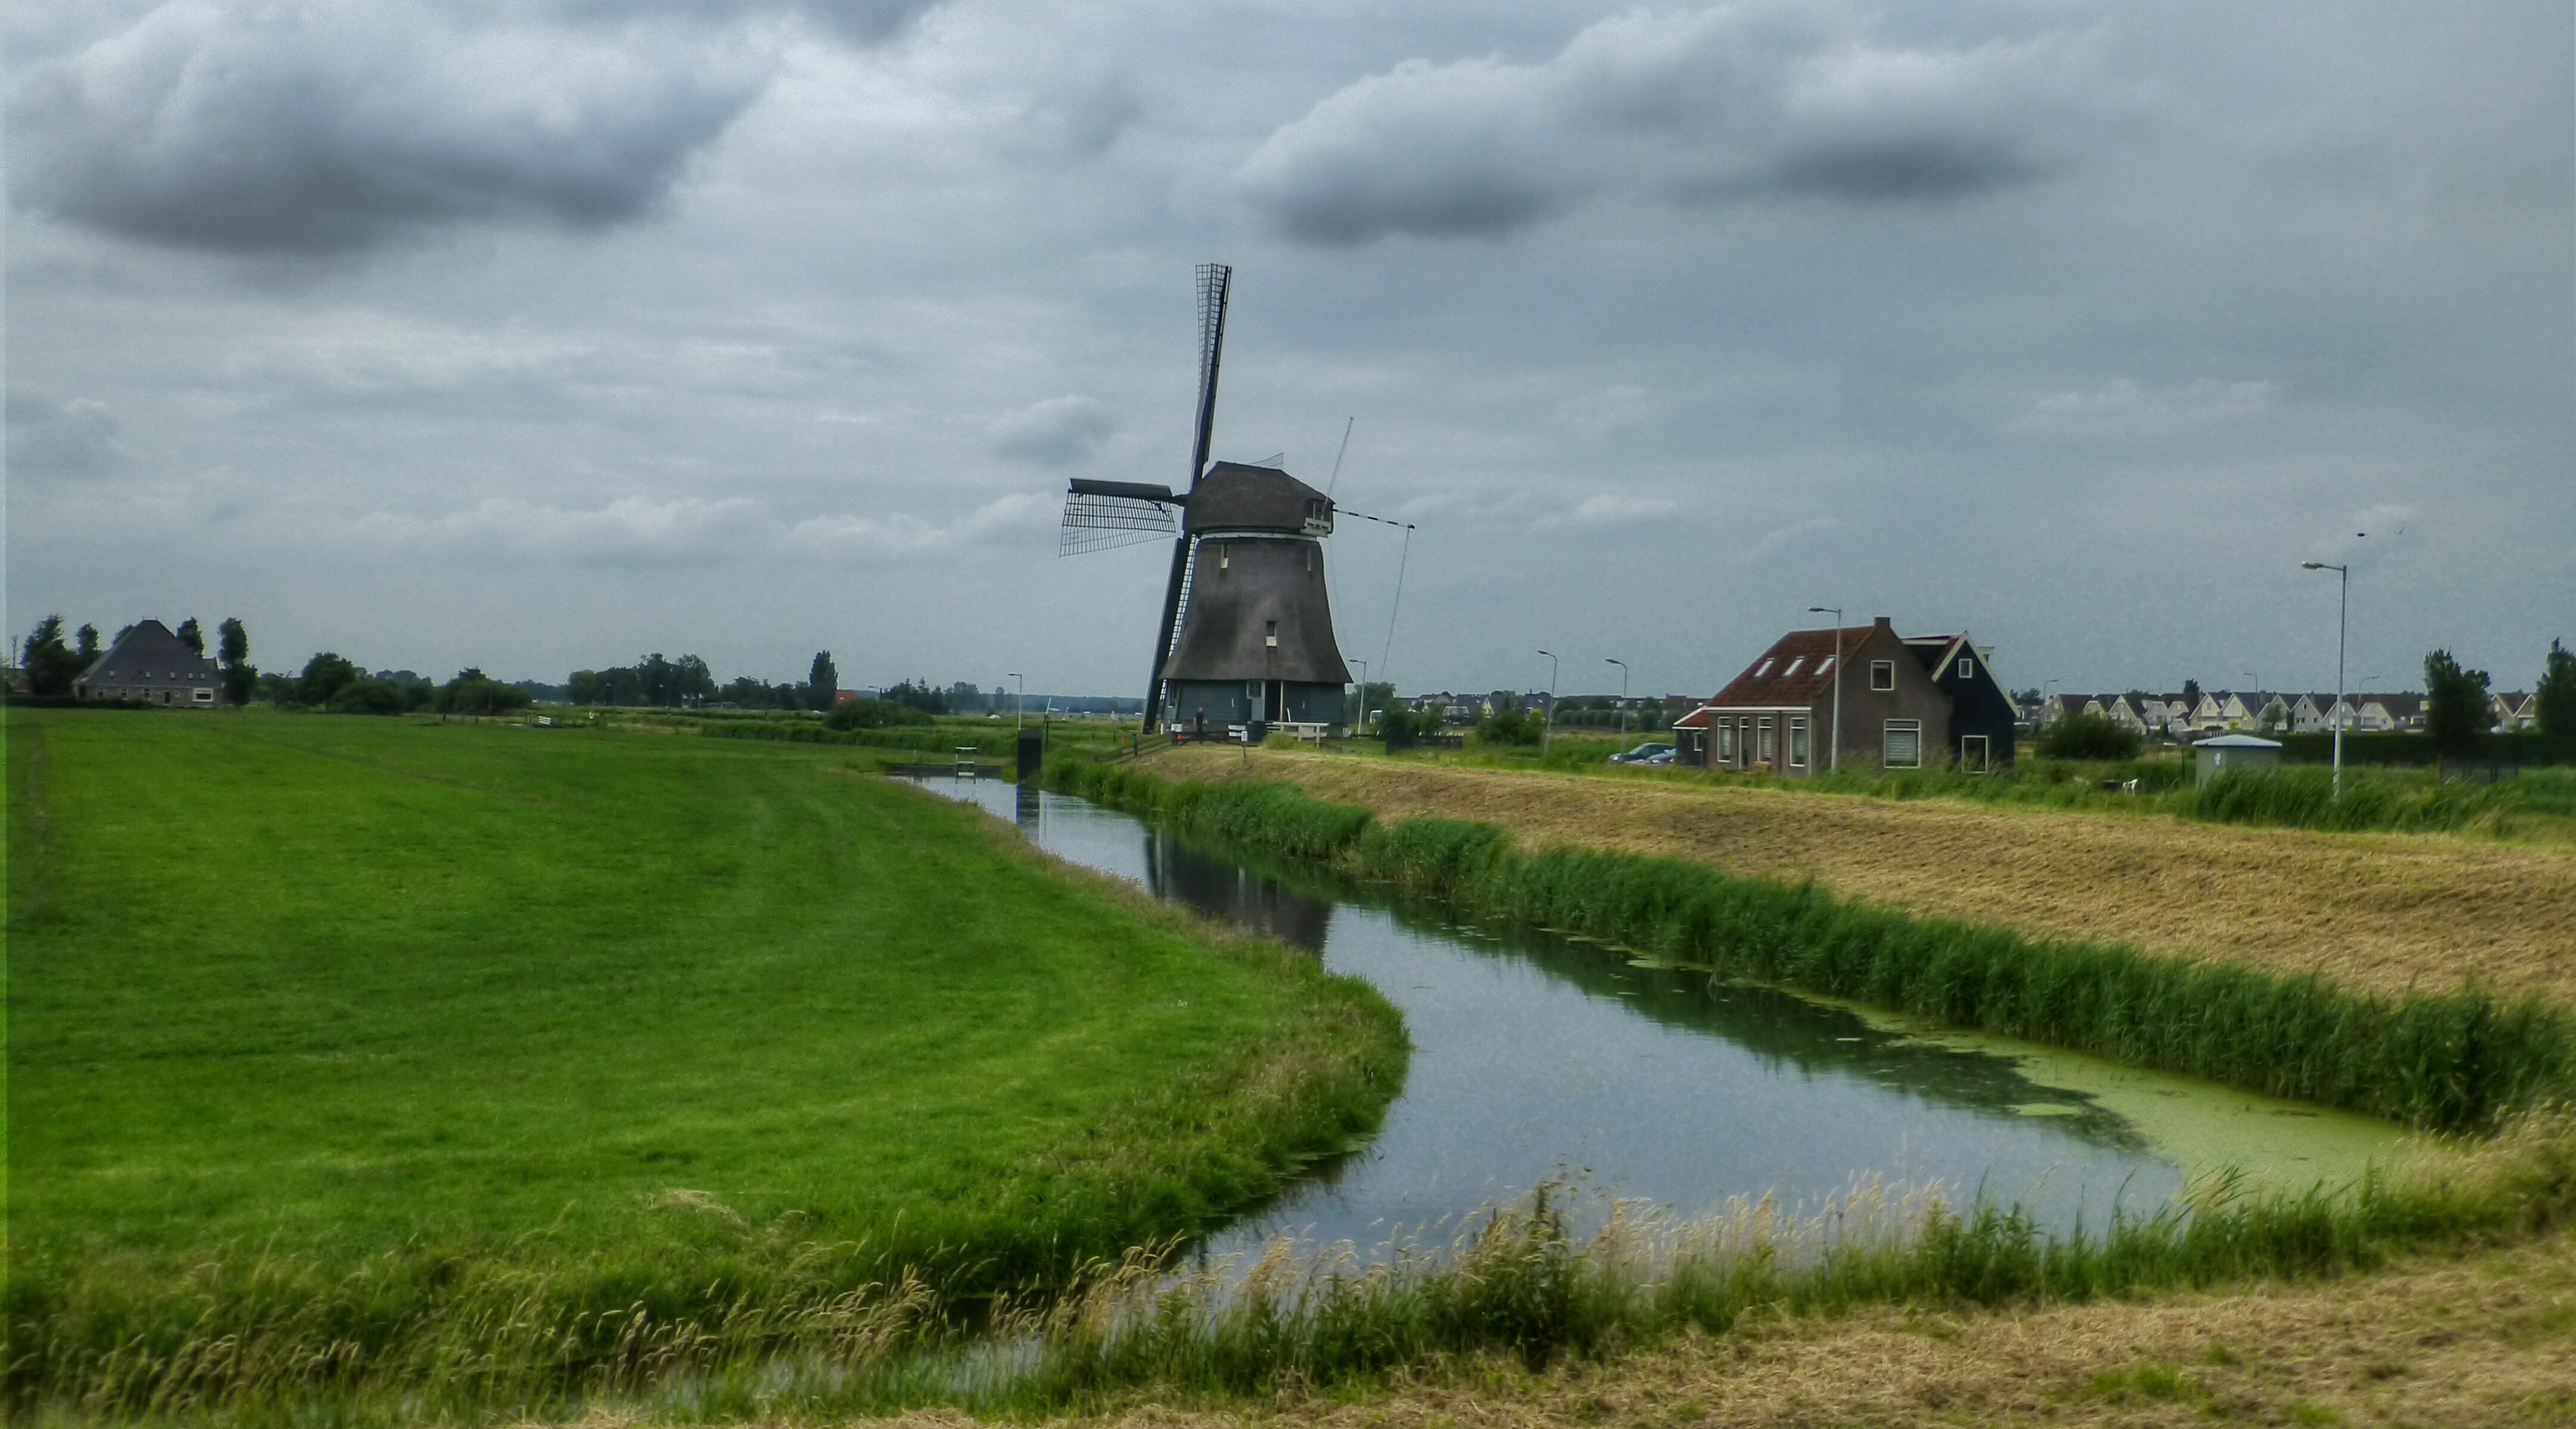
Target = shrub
(1510,727)
(873,714)
(2089,736)
(373,697)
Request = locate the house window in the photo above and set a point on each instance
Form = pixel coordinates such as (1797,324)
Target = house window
(1903,744)
(1882,674)
(1967,669)
(1825,666)
(1726,741)
(1972,754)
(1798,741)
(1762,670)
(1764,729)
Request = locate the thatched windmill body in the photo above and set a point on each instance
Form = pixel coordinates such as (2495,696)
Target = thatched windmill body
(1246,635)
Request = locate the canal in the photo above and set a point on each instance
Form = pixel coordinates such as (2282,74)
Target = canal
(1540,1058)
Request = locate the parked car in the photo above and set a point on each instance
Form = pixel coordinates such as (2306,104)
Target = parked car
(1645,754)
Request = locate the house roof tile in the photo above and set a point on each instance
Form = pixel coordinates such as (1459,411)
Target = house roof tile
(1768,684)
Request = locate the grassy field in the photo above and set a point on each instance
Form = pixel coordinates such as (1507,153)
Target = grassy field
(2378,912)
(496,1062)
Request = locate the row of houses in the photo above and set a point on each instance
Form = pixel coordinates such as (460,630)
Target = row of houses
(2231,711)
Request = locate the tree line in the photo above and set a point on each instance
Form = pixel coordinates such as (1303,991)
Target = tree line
(329,681)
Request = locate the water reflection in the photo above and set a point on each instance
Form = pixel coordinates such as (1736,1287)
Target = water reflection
(1540,1057)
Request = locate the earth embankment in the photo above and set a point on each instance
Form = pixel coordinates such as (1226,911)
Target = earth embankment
(2384,912)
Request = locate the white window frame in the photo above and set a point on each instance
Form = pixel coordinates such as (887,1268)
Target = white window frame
(1762,727)
(1983,759)
(1797,741)
(1967,668)
(1726,741)
(1882,669)
(1886,751)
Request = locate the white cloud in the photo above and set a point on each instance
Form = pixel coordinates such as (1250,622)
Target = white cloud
(1728,104)
(1774,542)
(638,532)
(1056,432)
(50,436)
(1610,509)
(2127,408)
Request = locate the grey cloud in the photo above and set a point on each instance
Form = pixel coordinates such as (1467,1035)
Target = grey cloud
(333,130)
(1732,104)
(49,436)
(639,533)
(1055,432)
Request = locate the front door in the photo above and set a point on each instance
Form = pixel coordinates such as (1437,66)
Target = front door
(1972,754)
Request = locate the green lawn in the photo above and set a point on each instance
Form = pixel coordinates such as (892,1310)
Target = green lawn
(339,1029)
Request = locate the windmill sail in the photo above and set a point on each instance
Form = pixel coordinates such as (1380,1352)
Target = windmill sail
(1104,515)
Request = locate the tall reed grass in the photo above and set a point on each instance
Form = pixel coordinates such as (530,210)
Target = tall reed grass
(2458,1061)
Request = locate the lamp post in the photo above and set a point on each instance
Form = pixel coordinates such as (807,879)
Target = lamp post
(2343,609)
(1019,702)
(1623,696)
(1547,711)
(1834,759)
(1361,725)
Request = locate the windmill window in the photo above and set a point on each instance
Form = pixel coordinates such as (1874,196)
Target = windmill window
(1882,674)
(1270,633)
(1252,689)
(1224,558)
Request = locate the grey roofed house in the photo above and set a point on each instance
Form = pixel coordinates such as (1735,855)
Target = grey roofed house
(150,665)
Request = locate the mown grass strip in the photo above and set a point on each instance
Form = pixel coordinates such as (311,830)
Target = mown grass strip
(2459,1061)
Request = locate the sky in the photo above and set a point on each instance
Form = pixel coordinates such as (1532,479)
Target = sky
(545,334)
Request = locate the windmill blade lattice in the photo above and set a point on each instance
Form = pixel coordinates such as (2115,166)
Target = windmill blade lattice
(1102,516)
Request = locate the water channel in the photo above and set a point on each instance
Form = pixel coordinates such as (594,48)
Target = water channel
(1543,1058)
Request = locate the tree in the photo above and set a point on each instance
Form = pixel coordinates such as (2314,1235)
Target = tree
(232,647)
(2455,701)
(1511,726)
(855,713)
(2190,695)
(474,693)
(89,641)
(51,665)
(2089,736)
(374,697)
(326,675)
(822,683)
(193,636)
(918,694)
(2557,693)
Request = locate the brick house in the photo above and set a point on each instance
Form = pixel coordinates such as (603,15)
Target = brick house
(150,666)
(1907,703)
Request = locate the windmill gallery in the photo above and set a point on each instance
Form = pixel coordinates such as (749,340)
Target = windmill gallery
(1246,638)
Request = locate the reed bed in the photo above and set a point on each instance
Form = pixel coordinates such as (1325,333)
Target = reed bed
(2459,1061)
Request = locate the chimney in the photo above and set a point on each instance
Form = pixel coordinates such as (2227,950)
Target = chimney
(1887,625)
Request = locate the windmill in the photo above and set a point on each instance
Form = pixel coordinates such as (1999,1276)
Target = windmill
(1247,630)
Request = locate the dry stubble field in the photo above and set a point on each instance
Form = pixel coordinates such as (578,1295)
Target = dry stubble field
(2384,912)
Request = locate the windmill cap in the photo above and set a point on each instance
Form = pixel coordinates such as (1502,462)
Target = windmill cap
(1235,497)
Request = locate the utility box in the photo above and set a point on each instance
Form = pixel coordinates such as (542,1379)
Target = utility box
(1032,754)
(2232,753)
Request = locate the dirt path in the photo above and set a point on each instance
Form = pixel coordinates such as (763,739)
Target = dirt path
(2381,911)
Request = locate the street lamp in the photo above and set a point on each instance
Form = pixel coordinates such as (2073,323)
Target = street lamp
(1834,760)
(1019,702)
(1361,726)
(2343,609)
(1623,696)
(1547,711)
